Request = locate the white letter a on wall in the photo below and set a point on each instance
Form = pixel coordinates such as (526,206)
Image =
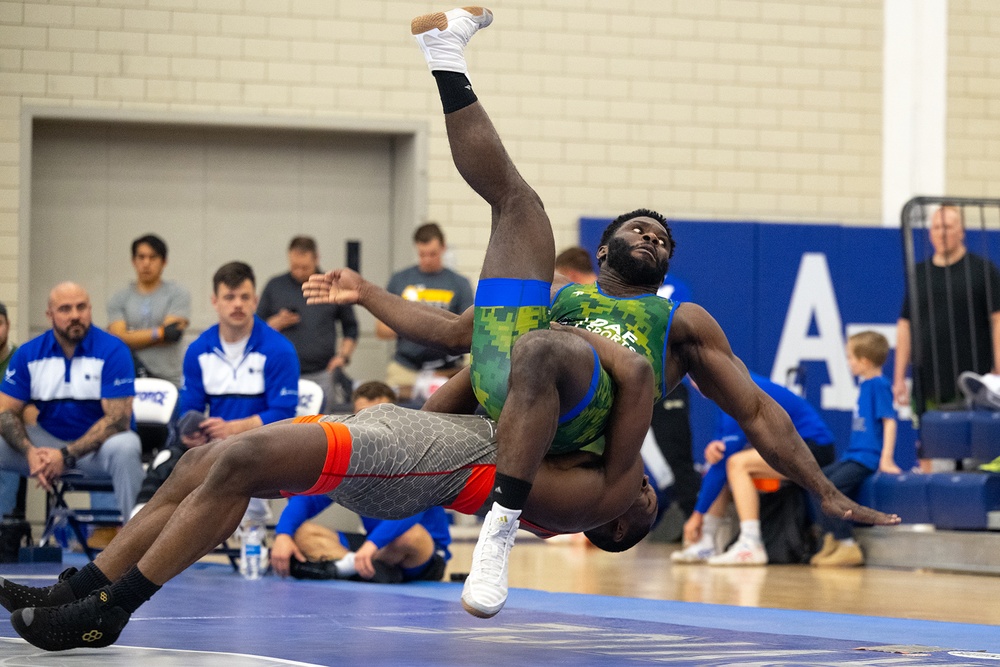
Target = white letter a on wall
(813,298)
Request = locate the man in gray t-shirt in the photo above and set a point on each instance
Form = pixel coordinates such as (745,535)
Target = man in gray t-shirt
(431,283)
(151,314)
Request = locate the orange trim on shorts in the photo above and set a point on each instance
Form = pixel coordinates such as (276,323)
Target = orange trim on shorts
(476,491)
(338,456)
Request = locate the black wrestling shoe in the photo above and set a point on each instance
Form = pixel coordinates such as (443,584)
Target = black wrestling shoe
(15,596)
(384,574)
(93,622)
(311,569)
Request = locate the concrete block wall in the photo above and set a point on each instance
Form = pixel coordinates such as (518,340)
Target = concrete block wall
(725,109)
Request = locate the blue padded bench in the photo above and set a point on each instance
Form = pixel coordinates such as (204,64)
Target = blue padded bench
(906,495)
(985,435)
(964,501)
(946,435)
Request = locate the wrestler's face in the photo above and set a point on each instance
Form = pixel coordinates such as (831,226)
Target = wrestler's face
(639,251)
(636,521)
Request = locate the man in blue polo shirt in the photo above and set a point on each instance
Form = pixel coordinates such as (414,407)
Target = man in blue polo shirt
(81,379)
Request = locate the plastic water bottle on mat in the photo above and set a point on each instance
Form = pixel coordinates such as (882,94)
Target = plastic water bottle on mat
(252,551)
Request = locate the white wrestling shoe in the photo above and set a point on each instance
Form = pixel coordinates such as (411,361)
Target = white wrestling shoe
(442,36)
(485,590)
(744,552)
(695,553)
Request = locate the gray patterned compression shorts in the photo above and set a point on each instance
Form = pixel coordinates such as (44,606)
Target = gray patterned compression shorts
(388,462)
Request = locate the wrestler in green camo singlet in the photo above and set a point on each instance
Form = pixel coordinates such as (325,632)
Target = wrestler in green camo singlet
(505,309)
(640,323)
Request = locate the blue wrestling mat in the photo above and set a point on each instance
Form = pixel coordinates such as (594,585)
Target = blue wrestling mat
(210,616)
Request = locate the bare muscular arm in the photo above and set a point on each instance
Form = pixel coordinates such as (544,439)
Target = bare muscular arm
(580,491)
(419,322)
(698,343)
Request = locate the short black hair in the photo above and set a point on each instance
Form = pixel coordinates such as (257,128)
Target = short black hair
(373,390)
(603,539)
(427,233)
(610,230)
(3,310)
(232,276)
(158,245)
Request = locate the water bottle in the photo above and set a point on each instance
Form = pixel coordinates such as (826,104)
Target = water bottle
(252,564)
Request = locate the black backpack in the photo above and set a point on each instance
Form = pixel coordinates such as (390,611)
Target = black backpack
(785,525)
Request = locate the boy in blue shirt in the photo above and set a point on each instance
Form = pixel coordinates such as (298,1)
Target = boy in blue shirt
(872,446)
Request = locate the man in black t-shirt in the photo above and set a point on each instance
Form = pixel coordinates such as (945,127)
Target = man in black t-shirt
(958,297)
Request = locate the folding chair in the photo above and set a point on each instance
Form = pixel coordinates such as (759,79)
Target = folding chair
(310,398)
(59,513)
(153,408)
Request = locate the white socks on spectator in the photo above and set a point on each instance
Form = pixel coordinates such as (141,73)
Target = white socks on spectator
(709,528)
(345,566)
(750,531)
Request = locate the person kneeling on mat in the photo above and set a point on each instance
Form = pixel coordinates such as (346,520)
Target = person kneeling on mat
(390,552)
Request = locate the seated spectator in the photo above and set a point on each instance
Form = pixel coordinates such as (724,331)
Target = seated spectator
(735,461)
(392,551)
(82,381)
(872,447)
(240,372)
(311,329)
(151,314)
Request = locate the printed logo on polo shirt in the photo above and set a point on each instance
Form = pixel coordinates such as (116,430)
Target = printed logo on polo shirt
(120,381)
(9,374)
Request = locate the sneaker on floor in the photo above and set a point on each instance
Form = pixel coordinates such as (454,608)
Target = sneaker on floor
(92,622)
(829,545)
(741,553)
(15,596)
(845,555)
(442,36)
(695,553)
(485,590)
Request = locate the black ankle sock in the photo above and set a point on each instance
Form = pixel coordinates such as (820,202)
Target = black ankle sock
(132,590)
(455,90)
(87,580)
(510,492)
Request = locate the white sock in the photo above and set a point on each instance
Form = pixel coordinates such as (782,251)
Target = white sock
(345,566)
(750,530)
(709,529)
(848,542)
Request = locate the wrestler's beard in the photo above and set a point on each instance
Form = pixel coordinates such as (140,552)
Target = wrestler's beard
(634,271)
